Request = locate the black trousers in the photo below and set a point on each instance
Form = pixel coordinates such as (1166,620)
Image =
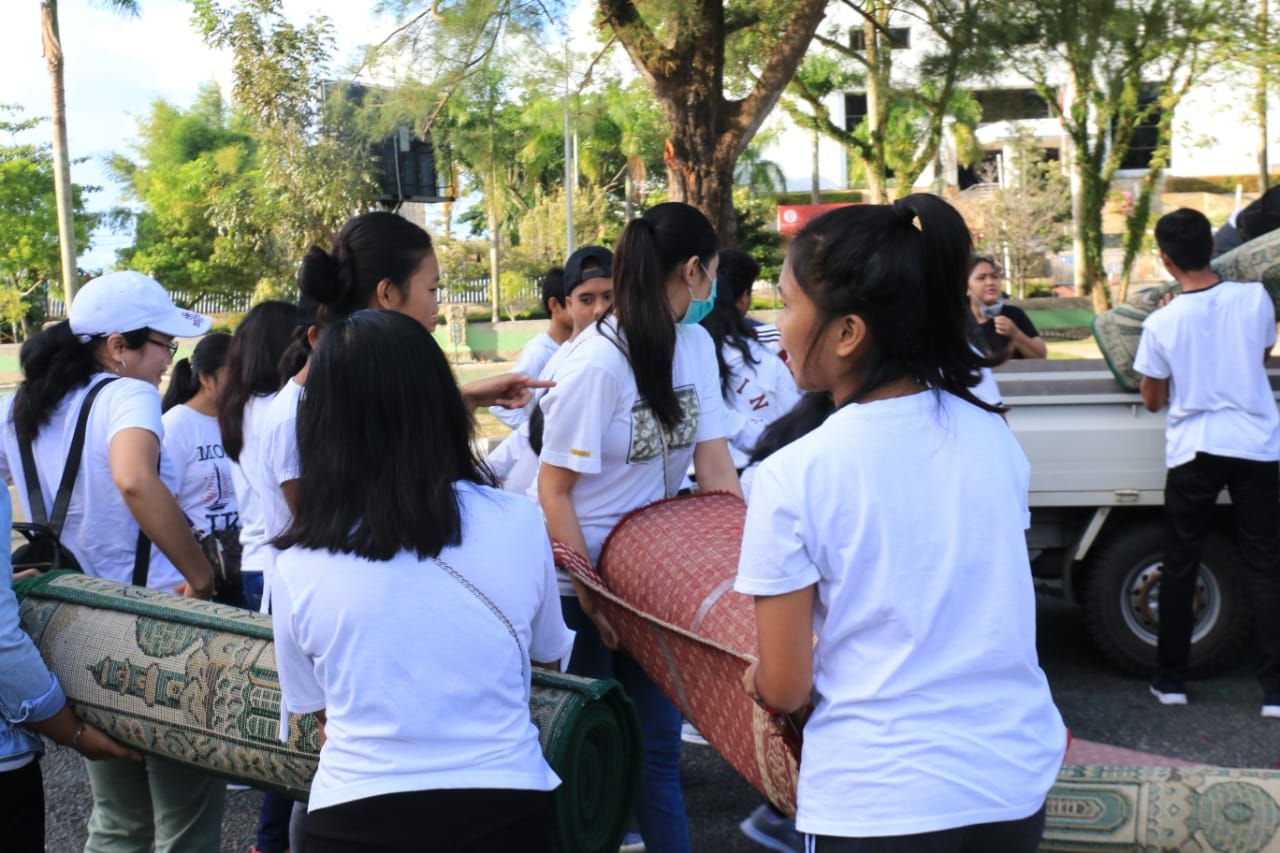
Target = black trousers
(455,821)
(1010,836)
(1191,491)
(22,809)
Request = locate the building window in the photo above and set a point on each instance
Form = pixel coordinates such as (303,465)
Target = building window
(855,110)
(1146,135)
(899,38)
(1011,104)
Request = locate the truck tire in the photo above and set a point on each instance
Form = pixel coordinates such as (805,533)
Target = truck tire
(1121,602)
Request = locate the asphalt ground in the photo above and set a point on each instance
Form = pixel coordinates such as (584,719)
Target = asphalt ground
(1221,726)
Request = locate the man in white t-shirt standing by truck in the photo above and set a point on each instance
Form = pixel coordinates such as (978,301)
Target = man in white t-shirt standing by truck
(1204,354)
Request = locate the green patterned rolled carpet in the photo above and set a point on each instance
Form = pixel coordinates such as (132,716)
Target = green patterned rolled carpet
(195,682)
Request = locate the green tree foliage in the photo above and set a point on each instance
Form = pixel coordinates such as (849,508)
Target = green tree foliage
(185,163)
(907,111)
(312,173)
(29,246)
(717,67)
(1127,63)
(1024,220)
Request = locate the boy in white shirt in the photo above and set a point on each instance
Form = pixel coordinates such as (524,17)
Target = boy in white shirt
(1204,354)
(535,355)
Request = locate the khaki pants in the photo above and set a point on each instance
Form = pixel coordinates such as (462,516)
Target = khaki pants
(153,802)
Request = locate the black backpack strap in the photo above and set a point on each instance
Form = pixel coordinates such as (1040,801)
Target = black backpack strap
(62,500)
(141,559)
(142,551)
(35,496)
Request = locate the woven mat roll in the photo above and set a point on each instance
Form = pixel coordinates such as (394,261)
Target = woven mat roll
(1118,330)
(666,585)
(195,682)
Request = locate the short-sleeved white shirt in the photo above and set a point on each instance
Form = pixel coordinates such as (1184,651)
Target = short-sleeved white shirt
(1209,345)
(931,708)
(758,395)
(100,531)
(276,463)
(533,359)
(256,555)
(206,494)
(596,424)
(423,686)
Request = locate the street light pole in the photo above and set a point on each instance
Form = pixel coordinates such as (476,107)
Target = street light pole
(568,161)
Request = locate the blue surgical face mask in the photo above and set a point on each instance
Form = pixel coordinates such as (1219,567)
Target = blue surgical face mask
(700,308)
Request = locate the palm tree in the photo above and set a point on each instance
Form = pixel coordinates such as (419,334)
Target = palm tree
(61,160)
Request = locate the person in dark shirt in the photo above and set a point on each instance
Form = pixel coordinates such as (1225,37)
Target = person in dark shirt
(1000,329)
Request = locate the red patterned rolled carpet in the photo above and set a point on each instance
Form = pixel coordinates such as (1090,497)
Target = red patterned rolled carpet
(666,585)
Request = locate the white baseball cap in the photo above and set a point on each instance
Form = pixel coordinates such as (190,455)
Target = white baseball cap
(127,300)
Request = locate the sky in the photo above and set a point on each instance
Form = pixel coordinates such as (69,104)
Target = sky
(116,67)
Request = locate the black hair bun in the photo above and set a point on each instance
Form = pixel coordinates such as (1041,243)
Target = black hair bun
(318,276)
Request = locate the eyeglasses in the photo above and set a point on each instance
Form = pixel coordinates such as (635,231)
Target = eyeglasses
(171,346)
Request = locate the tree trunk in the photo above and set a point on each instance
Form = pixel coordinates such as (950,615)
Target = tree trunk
(877,100)
(495,283)
(707,185)
(815,185)
(1260,103)
(61,159)
(628,197)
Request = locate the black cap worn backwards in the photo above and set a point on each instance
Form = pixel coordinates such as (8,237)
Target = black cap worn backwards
(588,256)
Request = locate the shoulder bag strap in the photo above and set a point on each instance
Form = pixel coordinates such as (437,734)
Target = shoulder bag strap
(493,608)
(62,500)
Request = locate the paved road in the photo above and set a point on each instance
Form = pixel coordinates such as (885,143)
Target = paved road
(1220,726)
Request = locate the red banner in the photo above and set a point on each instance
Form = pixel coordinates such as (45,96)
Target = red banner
(793,217)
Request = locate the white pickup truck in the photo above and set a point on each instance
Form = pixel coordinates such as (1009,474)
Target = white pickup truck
(1097,490)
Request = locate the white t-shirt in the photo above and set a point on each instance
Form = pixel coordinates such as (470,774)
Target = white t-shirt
(256,554)
(277,464)
(769,337)
(100,531)
(513,461)
(205,493)
(422,684)
(533,359)
(759,394)
(1209,345)
(988,390)
(931,708)
(597,426)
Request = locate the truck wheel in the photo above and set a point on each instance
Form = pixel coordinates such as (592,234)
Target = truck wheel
(1122,598)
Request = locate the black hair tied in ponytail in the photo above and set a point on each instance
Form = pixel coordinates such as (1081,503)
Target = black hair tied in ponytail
(650,249)
(903,268)
(207,359)
(371,248)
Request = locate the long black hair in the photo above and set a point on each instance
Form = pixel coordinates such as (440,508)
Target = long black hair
(55,363)
(735,276)
(803,418)
(206,359)
(650,249)
(360,396)
(369,248)
(909,284)
(253,363)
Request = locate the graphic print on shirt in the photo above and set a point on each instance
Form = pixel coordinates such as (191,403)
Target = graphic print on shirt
(219,494)
(646,441)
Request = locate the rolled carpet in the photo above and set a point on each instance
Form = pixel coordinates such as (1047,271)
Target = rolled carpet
(195,682)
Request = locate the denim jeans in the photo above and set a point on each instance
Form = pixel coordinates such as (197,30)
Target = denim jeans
(660,811)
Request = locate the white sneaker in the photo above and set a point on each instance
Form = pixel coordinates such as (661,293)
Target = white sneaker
(1170,692)
(632,843)
(1271,705)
